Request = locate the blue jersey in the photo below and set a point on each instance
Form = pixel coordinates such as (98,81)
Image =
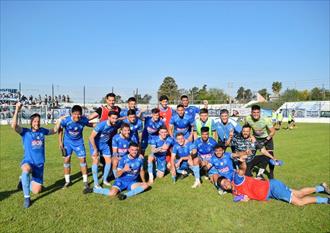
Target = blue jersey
(135,129)
(223,130)
(123,112)
(192,111)
(223,165)
(105,132)
(121,143)
(34,145)
(182,124)
(152,127)
(158,142)
(74,130)
(205,149)
(135,164)
(184,150)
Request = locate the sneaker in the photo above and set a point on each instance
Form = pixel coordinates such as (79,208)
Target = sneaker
(19,185)
(326,188)
(97,186)
(66,185)
(106,183)
(276,162)
(184,172)
(196,184)
(122,196)
(87,189)
(221,192)
(206,178)
(27,202)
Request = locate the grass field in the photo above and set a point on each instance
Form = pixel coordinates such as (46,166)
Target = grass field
(166,207)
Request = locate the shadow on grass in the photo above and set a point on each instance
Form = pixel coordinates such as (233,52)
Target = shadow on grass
(5,194)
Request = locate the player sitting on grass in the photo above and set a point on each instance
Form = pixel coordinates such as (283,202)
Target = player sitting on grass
(159,148)
(99,145)
(73,141)
(245,188)
(34,154)
(130,167)
(183,156)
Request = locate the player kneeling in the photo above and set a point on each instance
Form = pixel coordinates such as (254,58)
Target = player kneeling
(159,147)
(129,168)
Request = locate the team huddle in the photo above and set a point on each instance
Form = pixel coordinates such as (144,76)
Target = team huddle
(234,158)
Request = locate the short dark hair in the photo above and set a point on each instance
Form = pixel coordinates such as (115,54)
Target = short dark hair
(246,126)
(125,125)
(184,97)
(179,134)
(163,97)
(219,181)
(255,107)
(220,145)
(203,110)
(76,108)
(133,144)
(154,110)
(131,99)
(179,106)
(34,115)
(131,112)
(205,129)
(110,95)
(163,127)
(222,111)
(113,113)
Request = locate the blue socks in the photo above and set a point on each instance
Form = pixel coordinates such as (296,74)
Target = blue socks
(195,170)
(150,167)
(102,191)
(115,173)
(321,200)
(135,191)
(319,189)
(106,171)
(26,184)
(94,172)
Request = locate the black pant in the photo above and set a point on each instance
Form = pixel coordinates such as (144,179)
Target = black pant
(270,148)
(260,160)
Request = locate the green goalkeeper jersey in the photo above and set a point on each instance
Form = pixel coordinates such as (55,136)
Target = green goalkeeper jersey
(260,127)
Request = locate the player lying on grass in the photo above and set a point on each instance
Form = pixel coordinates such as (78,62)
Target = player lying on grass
(33,161)
(73,141)
(99,145)
(160,146)
(129,169)
(246,188)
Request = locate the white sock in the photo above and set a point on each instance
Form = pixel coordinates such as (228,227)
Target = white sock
(85,178)
(67,178)
(261,171)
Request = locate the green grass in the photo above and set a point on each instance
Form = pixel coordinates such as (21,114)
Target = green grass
(166,207)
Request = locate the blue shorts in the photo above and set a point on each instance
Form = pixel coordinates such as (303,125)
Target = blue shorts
(206,157)
(37,171)
(121,185)
(214,171)
(103,149)
(78,149)
(146,139)
(183,166)
(278,190)
(160,163)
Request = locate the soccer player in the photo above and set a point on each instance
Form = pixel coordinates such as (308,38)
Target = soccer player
(135,124)
(279,119)
(182,123)
(204,121)
(159,148)
(245,143)
(99,145)
(120,144)
(291,121)
(245,188)
(151,127)
(183,156)
(131,105)
(191,110)
(205,148)
(129,170)
(73,141)
(33,161)
(226,128)
(274,117)
(103,111)
(263,131)
(165,112)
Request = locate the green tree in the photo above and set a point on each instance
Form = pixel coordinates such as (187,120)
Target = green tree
(247,95)
(316,94)
(276,87)
(240,94)
(143,100)
(169,88)
(263,92)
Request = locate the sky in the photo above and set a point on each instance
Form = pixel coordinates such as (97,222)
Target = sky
(129,45)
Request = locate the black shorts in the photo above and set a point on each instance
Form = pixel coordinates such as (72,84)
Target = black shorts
(289,122)
(269,144)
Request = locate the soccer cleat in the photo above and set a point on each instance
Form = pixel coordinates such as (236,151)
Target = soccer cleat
(27,202)
(326,188)
(106,183)
(221,192)
(66,185)
(87,189)
(97,186)
(122,196)
(206,178)
(19,185)
(196,184)
(276,162)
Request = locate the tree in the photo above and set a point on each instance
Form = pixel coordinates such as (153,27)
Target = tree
(169,88)
(143,100)
(276,87)
(240,94)
(263,92)
(248,95)
(316,94)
